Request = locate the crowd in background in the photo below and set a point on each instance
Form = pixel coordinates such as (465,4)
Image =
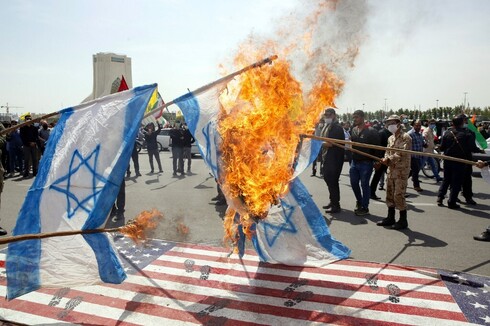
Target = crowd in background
(453,140)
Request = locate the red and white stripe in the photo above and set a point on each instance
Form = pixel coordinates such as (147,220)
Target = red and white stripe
(247,293)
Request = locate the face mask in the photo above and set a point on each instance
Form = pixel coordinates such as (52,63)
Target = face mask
(177,125)
(392,128)
(431,126)
(328,121)
(465,125)
(36,124)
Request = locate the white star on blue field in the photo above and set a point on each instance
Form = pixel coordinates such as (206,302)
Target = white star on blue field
(78,197)
(272,232)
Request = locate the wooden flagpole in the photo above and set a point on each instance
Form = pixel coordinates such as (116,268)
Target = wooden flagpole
(37,236)
(348,142)
(197,91)
(216,82)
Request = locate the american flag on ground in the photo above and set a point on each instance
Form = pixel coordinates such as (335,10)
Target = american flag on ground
(183,284)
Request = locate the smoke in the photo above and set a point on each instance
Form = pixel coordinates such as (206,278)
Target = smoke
(315,37)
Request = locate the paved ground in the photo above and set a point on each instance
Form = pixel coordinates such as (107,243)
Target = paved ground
(437,237)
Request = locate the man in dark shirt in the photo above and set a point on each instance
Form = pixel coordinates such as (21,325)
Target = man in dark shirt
(362,166)
(384,134)
(30,137)
(177,138)
(188,141)
(460,143)
(333,158)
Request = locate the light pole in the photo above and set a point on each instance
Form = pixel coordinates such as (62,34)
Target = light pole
(437,104)
(464,103)
(363,107)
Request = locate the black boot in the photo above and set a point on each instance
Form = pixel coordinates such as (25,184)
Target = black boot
(389,220)
(402,222)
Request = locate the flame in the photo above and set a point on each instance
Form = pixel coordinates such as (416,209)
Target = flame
(265,110)
(142,226)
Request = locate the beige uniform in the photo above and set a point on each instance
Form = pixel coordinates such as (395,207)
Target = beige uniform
(398,170)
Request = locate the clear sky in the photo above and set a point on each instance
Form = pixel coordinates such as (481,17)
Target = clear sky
(412,52)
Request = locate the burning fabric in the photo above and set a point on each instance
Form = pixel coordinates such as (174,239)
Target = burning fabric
(250,143)
(249,129)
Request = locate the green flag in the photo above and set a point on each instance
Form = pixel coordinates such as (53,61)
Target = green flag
(479,138)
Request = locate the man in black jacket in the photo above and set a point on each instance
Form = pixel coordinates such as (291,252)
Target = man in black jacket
(333,158)
(177,137)
(30,137)
(457,142)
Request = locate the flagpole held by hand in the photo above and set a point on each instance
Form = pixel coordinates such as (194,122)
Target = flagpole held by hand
(137,229)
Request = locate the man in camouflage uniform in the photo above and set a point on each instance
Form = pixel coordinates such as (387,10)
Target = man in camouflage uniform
(397,176)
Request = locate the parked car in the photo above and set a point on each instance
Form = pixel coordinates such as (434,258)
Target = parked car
(164,139)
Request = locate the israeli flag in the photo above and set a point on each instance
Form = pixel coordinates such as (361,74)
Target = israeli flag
(78,180)
(294,233)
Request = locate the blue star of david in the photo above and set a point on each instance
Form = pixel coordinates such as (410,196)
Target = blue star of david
(63,184)
(272,232)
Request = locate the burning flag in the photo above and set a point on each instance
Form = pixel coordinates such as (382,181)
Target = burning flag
(250,143)
(249,130)
(78,180)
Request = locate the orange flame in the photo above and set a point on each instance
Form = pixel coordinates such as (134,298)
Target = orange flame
(265,110)
(142,226)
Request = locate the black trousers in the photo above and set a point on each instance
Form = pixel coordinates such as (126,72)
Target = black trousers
(331,175)
(452,177)
(467,182)
(376,177)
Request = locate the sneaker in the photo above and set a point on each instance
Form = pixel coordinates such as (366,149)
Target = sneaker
(2,231)
(333,210)
(373,196)
(453,206)
(175,173)
(470,201)
(160,171)
(418,189)
(381,188)
(220,202)
(485,236)
(439,201)
(327,206)
(11,175)
(362,211)
(358,206)
(138,174)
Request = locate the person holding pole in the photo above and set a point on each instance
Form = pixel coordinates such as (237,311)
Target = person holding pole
(397,175)
(333,157)
(362,166)
(459,143)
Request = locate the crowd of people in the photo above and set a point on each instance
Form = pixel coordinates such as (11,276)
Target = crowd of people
(21,149)
(369,167)
(398,166)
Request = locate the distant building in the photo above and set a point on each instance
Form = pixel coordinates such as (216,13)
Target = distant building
(108,68)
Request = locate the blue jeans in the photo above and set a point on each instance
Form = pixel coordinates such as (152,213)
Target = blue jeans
(433,166)
(360,171)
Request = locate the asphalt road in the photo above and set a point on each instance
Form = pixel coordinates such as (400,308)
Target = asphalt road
(437,236)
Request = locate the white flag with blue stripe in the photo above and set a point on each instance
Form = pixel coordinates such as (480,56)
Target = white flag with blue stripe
(294,234)
(78,180)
